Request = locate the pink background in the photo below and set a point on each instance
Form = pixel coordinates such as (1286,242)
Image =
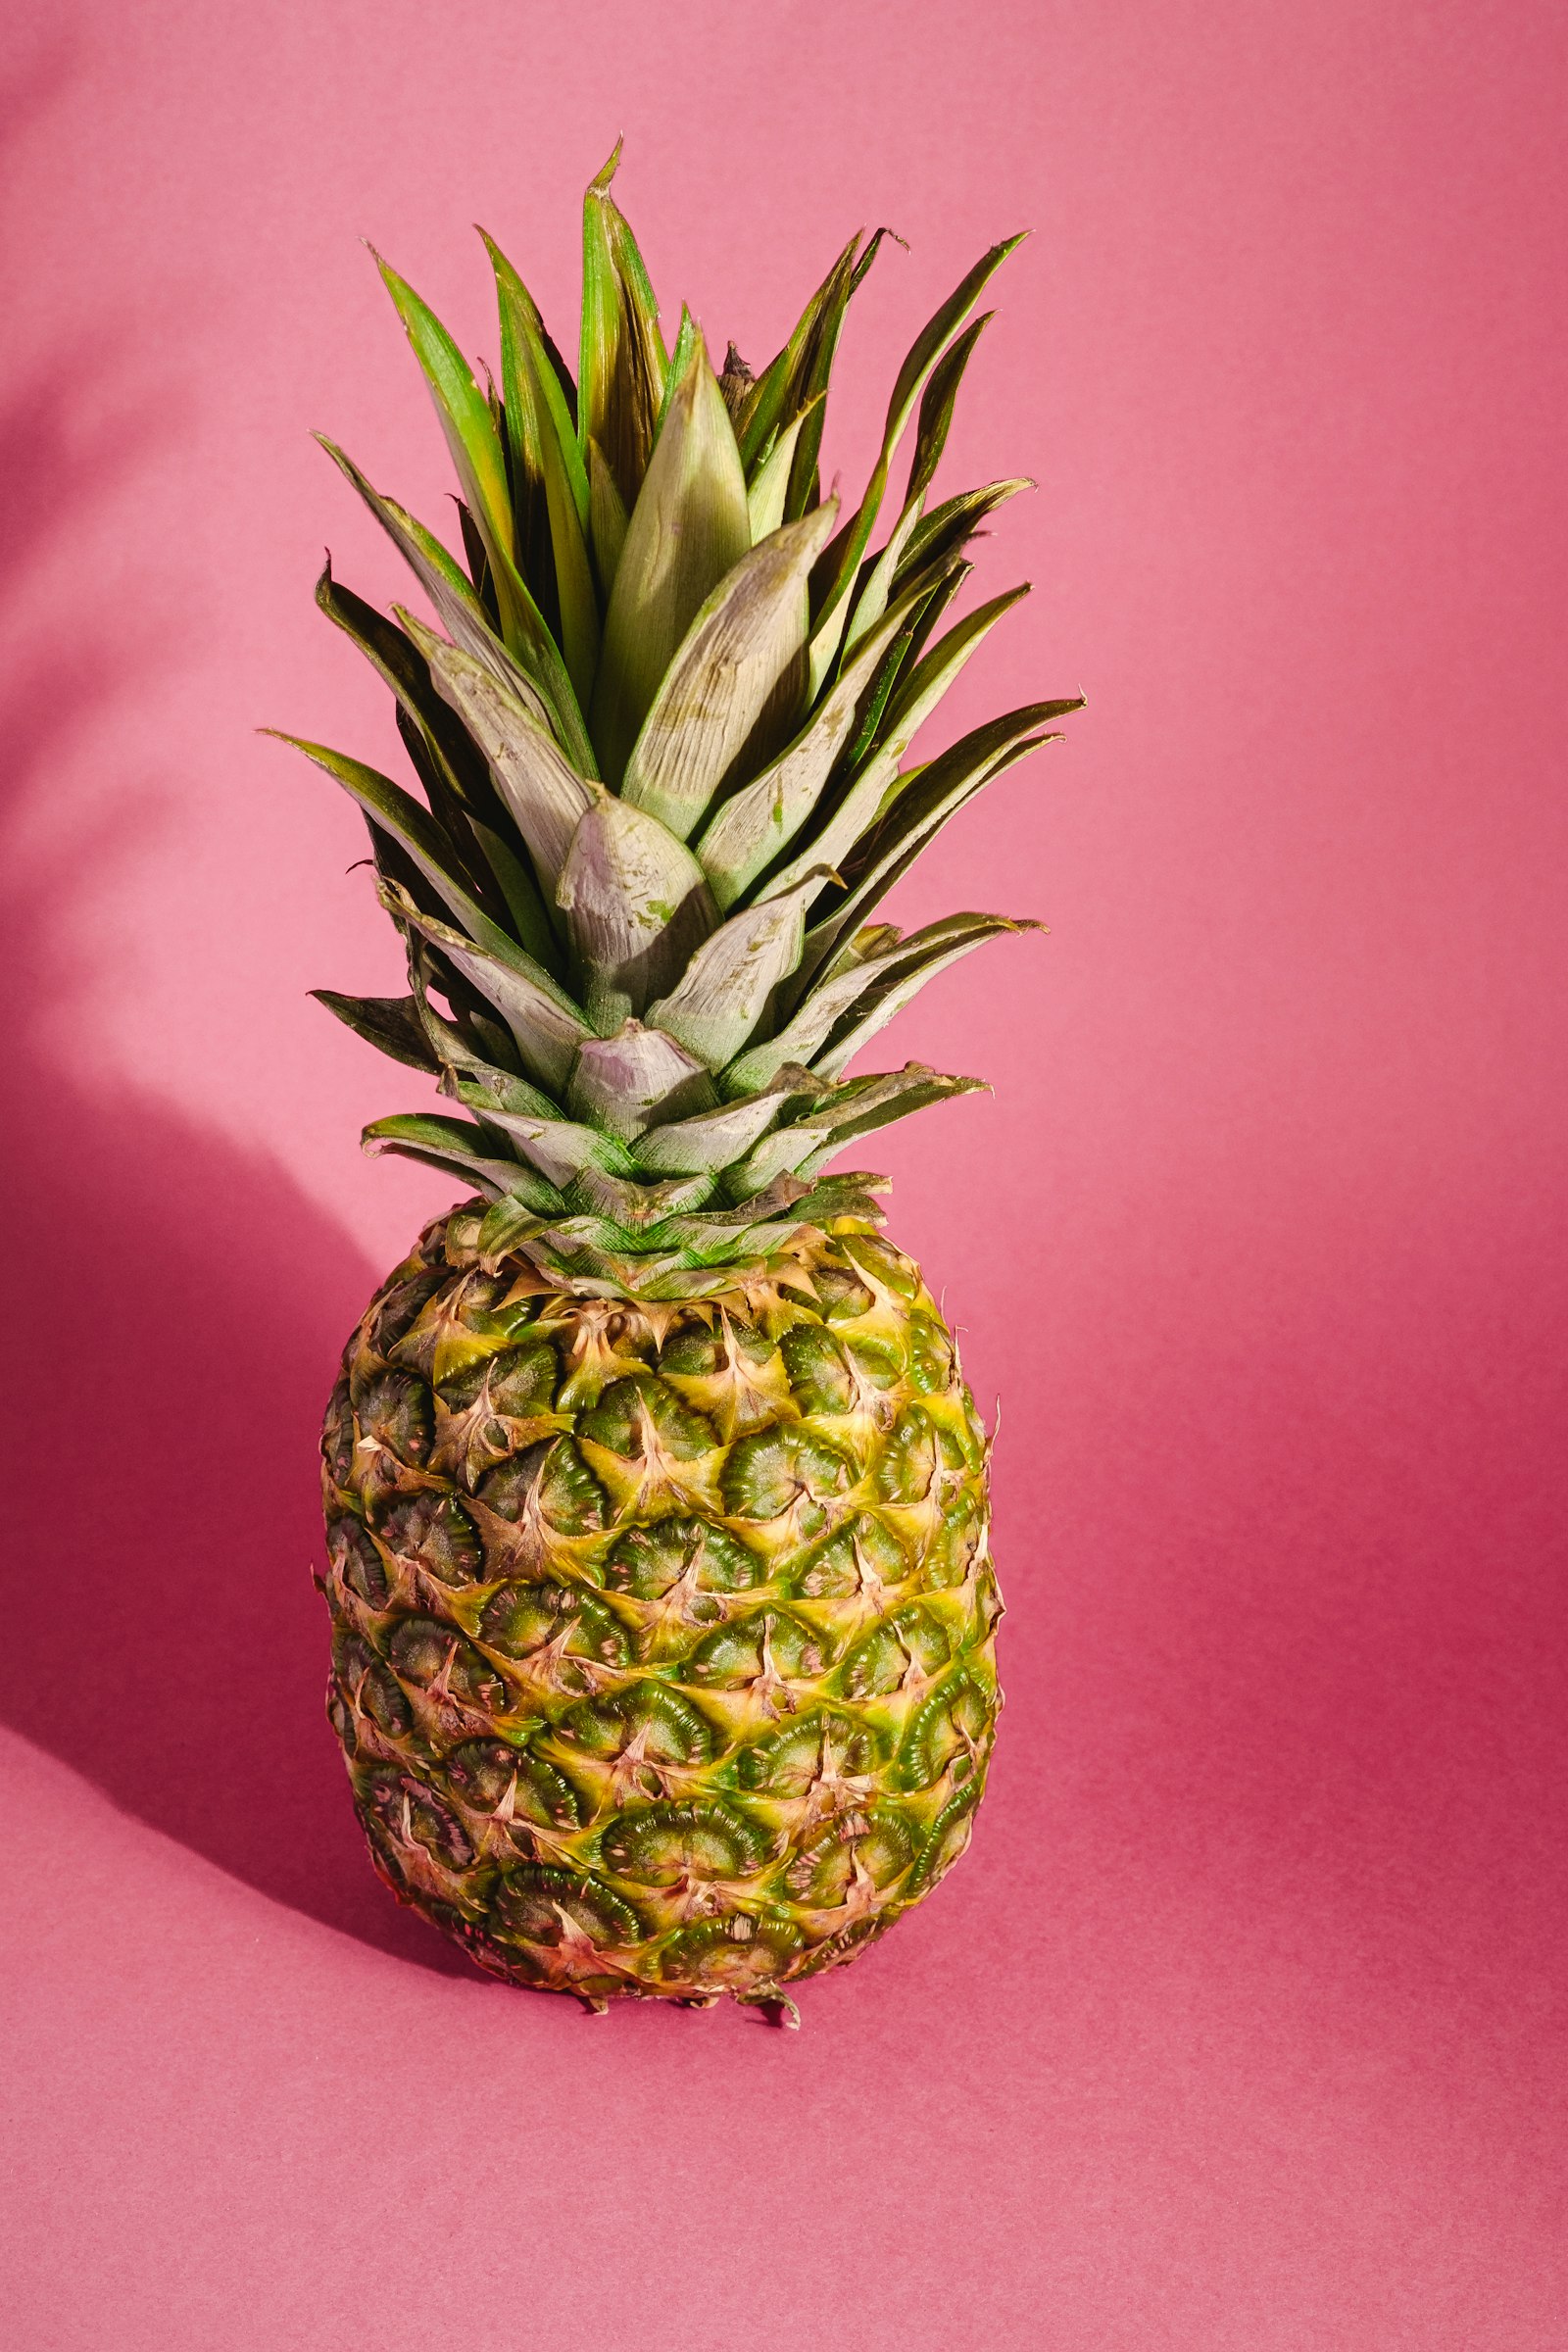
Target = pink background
(1241,2026)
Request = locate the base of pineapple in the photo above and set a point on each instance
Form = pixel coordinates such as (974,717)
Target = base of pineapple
(664,1635)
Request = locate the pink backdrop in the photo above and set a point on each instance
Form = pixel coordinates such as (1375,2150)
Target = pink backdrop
(1241,2026)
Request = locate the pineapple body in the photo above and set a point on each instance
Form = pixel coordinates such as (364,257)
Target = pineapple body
(664,1634)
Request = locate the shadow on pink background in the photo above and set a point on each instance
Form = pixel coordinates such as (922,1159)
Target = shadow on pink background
(1242,2025)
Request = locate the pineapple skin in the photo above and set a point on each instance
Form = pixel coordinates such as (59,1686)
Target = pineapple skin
(663,1636)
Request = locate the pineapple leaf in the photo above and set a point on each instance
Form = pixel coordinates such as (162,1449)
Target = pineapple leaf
(476,452)
(914,701)
(461,612)
(452,1040)
(524,326)
(526,648)
(937,404)
(715,1139)
(622,1083)
(906,713)
(606,522)
(786,385)
(462,409)
(560,1149)
(850,1195)
(621,377)
(724,989)
(687,527)
(457,1143)
(951,582)
(769,487)
(637,903)
(638,1207)
(527,637)
(926,800)
(393,653)
(456,781)
(756,823)
(447,806)
(687,338)
(859,1106)
(930,439)
(545,440)
(795,384)
(545,799)
(529,918)
(399,814)
(476,556)
(843,1113)
(889,995)
(836,996)
(544,1022)
(437,570)
(918,366)
(775,1160)
(742,658)
(873,704)
(506,1225)
(389,1023)
(943,533)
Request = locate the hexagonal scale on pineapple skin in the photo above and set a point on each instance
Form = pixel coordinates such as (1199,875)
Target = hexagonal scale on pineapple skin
(677,1580)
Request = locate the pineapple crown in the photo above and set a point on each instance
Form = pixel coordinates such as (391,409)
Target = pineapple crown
(660,745)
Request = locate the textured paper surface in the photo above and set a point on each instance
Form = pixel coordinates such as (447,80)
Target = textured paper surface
(1242,2025)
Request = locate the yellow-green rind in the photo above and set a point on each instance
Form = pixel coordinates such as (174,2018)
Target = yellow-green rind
(664,1635)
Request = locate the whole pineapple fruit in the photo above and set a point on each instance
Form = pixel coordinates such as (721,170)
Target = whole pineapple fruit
(664,1617)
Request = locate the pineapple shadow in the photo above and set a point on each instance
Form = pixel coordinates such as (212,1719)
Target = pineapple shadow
(185,1306)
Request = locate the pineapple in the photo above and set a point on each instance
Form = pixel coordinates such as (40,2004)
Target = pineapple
(662,1611)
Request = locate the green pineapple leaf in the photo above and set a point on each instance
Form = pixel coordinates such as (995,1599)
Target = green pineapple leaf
(755,824)
(918,366)
(531,920)
(606,522)
(930,439)
(715,1139)
(902,716)
(461,409)
(742,659)
(635,1077)
(926,800)
(389,1023)
(544,445)
(560,1149)
(624,366)
(948,529)
(393,653)
(791,390)
(837,995)
(767,489)
(843,1113)
(546,1026)
(890,992)
(543,797)
(459,1145)
(469,1040)
(637,903)
(687,527)
(781,393)
(399,814)
(687,338)
(456,604)
(724,988)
